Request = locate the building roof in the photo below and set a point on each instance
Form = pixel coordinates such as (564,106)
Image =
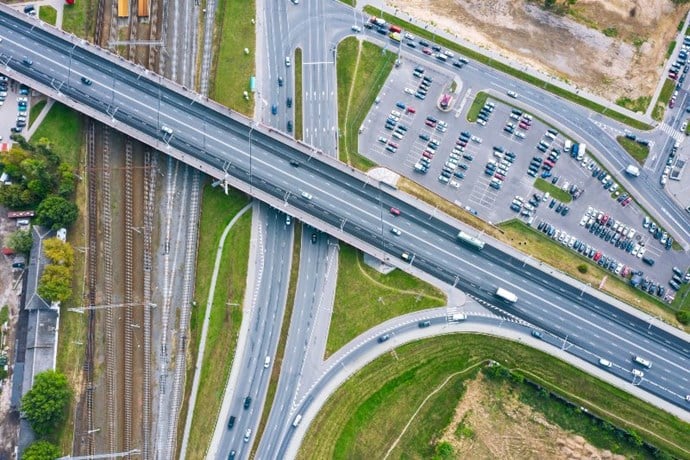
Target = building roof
(34,270)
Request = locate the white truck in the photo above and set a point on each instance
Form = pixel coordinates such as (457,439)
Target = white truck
(458,317)
(506,295)
(633,170)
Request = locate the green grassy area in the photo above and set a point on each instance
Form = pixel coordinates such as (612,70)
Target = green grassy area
(583,101)
(476,107)
(35,110)
(364,297)
(79,18)
(682,300)
(63,127)
(298,95)
(542,248)
(669,50)
(555,192)
(664,97)
(636,105)
(362,69)
(4,314)
(363,417)
(284,329)
(352,3)
(638,151)
(232,68)
(226,311)
(47,14)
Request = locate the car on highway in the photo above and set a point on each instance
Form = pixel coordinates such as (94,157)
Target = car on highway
(86,81)
(307,195)
(383,338)
(289,102)
(247,434)
(280,81)
(289,126)
(231,422)
(512,94)
(395,211)
(423,324)
(395,231)
(27,62)
(231,455)
(287,61)
(605,362)
(314,237)
(536,334)
(247,402)
(274,109)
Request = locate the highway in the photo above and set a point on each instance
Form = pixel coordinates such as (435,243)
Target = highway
(342,200)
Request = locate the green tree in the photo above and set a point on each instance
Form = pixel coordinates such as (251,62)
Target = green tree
(55,284)
(45,403)
(683,316)
(56,212)
(42,450)
(444,451)
(59,252)
(19,241)
(67,181)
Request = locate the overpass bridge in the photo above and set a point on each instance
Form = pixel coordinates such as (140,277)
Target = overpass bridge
(330,196)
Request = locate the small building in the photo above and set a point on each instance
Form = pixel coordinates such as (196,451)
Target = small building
(20,214)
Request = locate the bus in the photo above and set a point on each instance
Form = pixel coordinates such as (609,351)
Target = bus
(506,295)
(471,240)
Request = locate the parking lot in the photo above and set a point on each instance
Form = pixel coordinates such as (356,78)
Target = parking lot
(14,109)
(491,167)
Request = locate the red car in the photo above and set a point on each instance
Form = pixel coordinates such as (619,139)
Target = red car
(626,201)
(393,144)
(524,125)
(672,75)
(427,51)
(431,124)
(411,110)
(671,103)
(427,154)
(597,256)
(461,143)
(500,176)
(395,211)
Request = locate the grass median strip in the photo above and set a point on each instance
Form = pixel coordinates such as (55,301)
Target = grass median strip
(285,328)
(636,150)
(662,101)
(476,107)
(232,67)
(365,297)
(226,312)
(362,70)
(47,14)
(558,91)
(36,111)
(298,95)
(363,417)
(555,192)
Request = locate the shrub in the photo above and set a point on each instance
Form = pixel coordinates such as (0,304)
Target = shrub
(582,268)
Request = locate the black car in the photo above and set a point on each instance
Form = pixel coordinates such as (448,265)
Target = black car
(231,422)
(280,81)
(313,238)
(383,338)
(294,163)
(423,324)
(289,126)
(231,455)
(86,81)
(247,402)
(289,102)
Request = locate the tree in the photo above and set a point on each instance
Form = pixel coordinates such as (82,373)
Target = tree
(56,212)
(55,284)
(19,241)
(42,450)
(59,252)
(683,316)
(45,403)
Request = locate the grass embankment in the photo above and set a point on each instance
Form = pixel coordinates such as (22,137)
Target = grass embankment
(529,241)
(583,101)
(535,243)
(63,127)
(4,314)
(284,329)
(636,150)
(79,18)
(476,107)
(48,14)
(35,111)
(669,50)
(226,311)
(364,297)
(636,105)
(363,417)
(555,192)
(664,97)
(299,103)
(231,68)
(362,70)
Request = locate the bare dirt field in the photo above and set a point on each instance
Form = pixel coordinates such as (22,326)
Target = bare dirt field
(614,48)
(489,424)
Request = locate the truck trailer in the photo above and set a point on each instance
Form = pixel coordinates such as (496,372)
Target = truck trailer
(633,170)
(506,295)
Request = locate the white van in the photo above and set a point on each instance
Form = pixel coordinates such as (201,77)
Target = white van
(605,362)
(642,362)
(297,420)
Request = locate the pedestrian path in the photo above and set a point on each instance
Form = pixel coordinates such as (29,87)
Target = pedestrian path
(674,133)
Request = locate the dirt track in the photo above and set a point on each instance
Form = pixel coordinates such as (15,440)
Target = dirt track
(572,46)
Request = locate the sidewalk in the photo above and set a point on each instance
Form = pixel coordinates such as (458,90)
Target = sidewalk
(381,5)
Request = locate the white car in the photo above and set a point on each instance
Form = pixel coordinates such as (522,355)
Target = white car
(454,184)
(513,94)
(395,231)
(409,36)
(641,252)
(476,139)
(605,362)
(520,134)
(383,140)
(307,195)
(287,61)
(583,221)
(481,122)
(409,91)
